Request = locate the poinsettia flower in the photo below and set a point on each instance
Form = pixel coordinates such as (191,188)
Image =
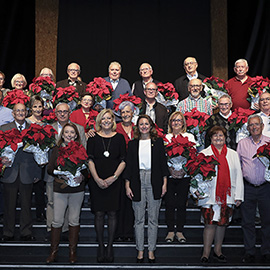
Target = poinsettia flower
(126,97)
(168,91)
(14,97)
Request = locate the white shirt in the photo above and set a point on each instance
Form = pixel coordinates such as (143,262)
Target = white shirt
(145,154)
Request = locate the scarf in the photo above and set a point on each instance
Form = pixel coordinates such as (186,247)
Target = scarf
(223,186)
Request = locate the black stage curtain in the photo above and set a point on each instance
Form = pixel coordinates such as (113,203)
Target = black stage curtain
(249,35)
(161,32)
(17,39)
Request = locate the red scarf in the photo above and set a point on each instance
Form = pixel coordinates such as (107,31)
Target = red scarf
(223,186)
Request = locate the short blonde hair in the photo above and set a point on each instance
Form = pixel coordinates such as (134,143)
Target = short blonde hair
(16,77)
(173,116)
(115,63)
(100,116)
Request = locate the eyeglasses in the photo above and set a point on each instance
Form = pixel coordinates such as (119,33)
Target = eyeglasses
(177,120)
(62,112)
(19,82)
(145,69)
(263,99)
(224,104)
(190,63)
(195,86)
(19,111)
(73,70)
(87,100)
(150,89)
(254,125)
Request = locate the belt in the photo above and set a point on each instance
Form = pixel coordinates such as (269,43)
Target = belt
(253,185)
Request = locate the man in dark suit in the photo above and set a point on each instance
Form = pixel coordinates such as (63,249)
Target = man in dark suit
(19,178)
(146,73)
(73,71)
(181,84)
(152,108)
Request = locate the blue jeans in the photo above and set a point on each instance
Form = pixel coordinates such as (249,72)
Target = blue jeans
(147,198)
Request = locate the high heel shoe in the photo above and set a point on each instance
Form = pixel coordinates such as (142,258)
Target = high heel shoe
(109,254)
(140,260)
(204,260)
(101,254)
(221,258)
(151,260)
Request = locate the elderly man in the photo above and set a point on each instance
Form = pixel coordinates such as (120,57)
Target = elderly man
(152,108)
(195,100)
(238,86)
(120,85)
(46,72)
(221,119)
(62,112)
(146,73)
(73,71)
(18,179)
(256,191)
(181,84)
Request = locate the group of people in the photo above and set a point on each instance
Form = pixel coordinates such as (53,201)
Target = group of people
(129,169)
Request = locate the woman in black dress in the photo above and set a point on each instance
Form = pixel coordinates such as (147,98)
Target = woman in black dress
(106,162)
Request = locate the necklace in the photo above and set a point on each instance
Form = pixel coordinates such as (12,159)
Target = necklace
(106,152)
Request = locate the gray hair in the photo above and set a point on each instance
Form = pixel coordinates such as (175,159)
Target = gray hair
(225,96)
(253,116)
(126,103)
(241,60)
(115,63)
(62,103)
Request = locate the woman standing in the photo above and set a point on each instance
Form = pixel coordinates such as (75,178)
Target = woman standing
(64,197)
(178,184)
(226,191)
(146,182)
(106,153)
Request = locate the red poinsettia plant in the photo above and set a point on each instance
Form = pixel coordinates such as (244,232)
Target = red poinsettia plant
(71,157)
(215,83)
(100,88)
(160,131)
(14,97)
(168,91)
(238,118)
(42,83)
(263,153)
(66,95)
(258,86)
(125,97)
(196,118)
(91,120)
(49,119)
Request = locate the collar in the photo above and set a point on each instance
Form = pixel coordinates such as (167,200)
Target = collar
(112,81)
(226,117)
(195,76)
(196,99)
(17,124)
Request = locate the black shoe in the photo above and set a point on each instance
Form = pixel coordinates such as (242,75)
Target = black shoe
(151,260)
(119,239)
(221,258)
(109,254)
(140,260)
(5,238)
(266,258)
(204,260)
(28,238)
(101,254)
(248,258)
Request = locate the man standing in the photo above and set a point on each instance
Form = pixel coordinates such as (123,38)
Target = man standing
(73,71)
(181,84)
(237,86)
(19,178)
(146,73)
(256,191)
(195,100)
(5,113)
(152,108)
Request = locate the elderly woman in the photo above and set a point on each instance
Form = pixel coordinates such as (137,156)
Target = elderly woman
(2,81)
(178,184)
(225,192)
(146,182)
(19,82)
(65,196)
(106,153)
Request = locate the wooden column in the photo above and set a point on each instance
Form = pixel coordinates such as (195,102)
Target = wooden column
(219,40)
(46,34)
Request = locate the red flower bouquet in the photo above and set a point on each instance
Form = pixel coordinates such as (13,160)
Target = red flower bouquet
(44,87)
(214,88)
(167,95)
(38,140)
(67,95)
(49,119)
(160,131)
(71,160)
(14,97)
(101,90)
(91,121)
(263,154)
(10,142)
(238,118)
(202,169)
(135,100)
(258,86)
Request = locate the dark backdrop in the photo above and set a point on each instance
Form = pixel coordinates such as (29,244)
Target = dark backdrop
(17,39)
(249,35)
(161,32)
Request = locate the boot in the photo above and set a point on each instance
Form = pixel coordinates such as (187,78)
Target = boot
(55,239)
(73,241)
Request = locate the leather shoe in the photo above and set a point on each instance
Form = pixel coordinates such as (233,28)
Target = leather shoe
(27,238)
(204,260)
(140,260)
(5,238)
(248,258)
(151,260)
(221,258)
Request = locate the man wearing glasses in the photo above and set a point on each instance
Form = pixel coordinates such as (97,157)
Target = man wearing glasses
(181,84)
(152,108)
(73,71)
(146,73)
(195,100)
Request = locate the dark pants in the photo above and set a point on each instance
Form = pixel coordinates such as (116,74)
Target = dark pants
(176,199)
(252,197)
(10,197)
(39,191)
